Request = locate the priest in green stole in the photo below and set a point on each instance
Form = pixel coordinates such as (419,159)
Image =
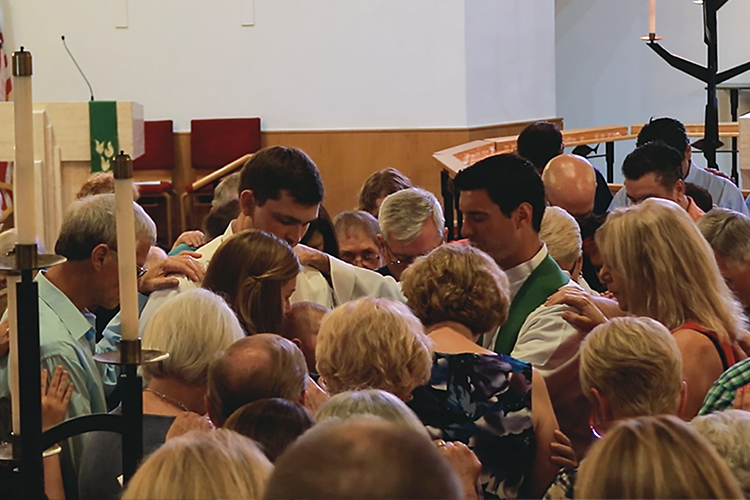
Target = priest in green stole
(502,201)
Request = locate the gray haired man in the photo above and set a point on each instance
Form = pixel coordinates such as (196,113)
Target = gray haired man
(412,225)
(67,295)
(728,233)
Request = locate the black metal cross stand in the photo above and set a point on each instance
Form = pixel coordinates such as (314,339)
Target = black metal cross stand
(709,74)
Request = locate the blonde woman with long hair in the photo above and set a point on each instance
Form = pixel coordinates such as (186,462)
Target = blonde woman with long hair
(657,264)
(655,457)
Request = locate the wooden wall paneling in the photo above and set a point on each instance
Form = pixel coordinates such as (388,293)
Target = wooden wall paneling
(347,158)
(74,174)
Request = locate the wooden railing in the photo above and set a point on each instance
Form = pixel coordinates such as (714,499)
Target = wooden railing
(727,129)
(199,184)
(456,158)
(218,174)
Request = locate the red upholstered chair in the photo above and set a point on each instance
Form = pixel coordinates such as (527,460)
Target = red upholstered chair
(153,170)
(214,144)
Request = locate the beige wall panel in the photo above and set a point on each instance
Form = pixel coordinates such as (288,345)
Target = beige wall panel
(347,158)
(74,174)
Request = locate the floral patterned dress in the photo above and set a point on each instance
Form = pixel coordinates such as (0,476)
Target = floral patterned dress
(484,401)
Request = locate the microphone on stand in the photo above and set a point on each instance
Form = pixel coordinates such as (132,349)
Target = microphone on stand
(91,90)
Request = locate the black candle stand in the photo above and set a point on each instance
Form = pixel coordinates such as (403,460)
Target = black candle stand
(26,450)
(708,74)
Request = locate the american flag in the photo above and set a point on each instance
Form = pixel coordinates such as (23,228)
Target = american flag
(6,167)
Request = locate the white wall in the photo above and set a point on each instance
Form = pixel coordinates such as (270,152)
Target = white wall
(510,60)
(606,75)
(306,64)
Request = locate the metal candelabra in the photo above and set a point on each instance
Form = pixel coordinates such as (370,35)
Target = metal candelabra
(708,74)
(26,449)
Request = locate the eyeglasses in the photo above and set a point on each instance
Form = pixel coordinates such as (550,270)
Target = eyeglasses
(399,260)
(367,257)
(139,271)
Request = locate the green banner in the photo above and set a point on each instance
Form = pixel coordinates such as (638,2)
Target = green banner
(103,129)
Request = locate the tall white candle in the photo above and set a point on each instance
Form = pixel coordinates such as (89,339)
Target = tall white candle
(25,207)
(24,133)
(652,16)
(15,394)
(126,255)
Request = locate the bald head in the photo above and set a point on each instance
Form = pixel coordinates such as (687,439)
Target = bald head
(570,183)
(362,457)
(257,367)
(301,325)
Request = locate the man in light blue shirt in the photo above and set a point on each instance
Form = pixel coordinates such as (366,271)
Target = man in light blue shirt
(723,191)
(68,292)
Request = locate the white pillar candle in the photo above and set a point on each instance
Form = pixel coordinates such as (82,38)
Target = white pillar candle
(23,195)
(25,207)
(126,257)
(652,16)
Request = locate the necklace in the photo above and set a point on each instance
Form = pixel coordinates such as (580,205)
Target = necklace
(168,399)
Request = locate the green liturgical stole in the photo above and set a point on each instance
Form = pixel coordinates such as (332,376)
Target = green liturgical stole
(546,279)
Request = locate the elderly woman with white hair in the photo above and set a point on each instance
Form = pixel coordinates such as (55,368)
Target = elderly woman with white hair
(193,328)
(562,235)
(729,432)
(629,367)
(370,402)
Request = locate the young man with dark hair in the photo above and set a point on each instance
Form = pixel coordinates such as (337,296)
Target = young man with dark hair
(280,193)
(723,191)
(654,171)
(502,201)
(539,143)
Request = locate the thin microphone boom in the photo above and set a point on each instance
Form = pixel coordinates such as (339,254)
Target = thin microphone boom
(91,90)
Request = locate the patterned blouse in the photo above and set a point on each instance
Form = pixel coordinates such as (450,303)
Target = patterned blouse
(484,401)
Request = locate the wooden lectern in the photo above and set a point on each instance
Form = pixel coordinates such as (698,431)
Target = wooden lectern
(62,153)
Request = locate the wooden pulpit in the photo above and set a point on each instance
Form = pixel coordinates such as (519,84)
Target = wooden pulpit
(62,153)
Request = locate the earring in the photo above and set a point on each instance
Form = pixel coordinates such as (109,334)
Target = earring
(592,425)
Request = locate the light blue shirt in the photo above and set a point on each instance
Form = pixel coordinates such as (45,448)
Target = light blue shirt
(66,337)
(724,193)
(111,342)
